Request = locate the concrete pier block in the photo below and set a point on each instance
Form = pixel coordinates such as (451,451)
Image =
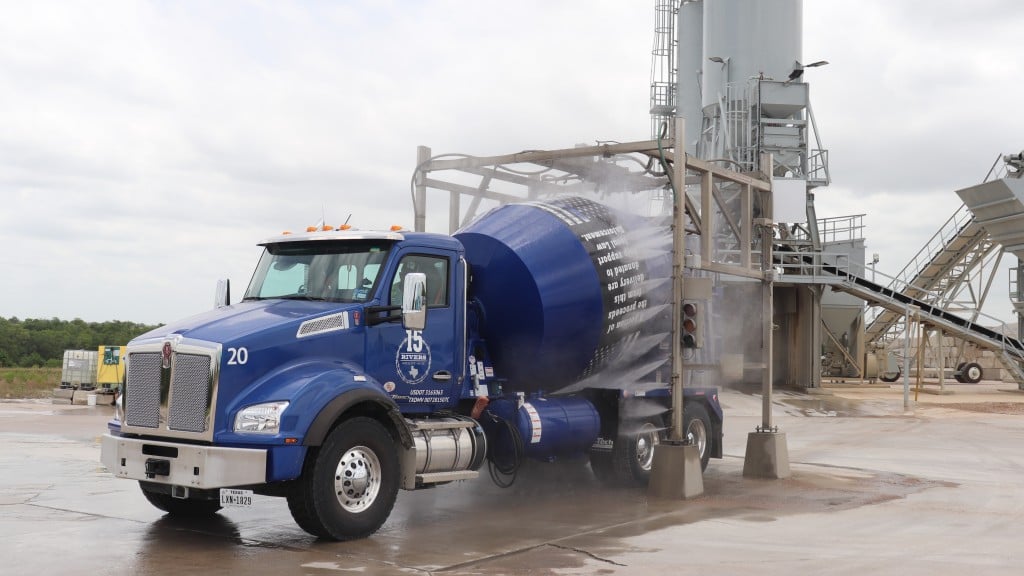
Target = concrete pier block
(675,472)
(767,456)
(66,393)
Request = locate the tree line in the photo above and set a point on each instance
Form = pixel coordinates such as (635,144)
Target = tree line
(41,343)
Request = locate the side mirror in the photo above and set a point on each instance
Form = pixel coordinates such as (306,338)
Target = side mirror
(222,296)
(414,301)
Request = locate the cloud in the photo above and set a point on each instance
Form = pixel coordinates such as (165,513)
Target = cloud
(145,147)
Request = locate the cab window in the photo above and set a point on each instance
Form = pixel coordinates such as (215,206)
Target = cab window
(435,268)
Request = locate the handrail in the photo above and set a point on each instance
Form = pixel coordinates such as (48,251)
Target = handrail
(1017,286)
(935,245)
(998,169)
(841,228)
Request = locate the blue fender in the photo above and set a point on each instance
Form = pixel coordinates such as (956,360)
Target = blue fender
(370,401)
(318,392)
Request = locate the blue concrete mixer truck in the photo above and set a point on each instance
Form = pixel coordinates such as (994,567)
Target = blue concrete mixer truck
(358,363)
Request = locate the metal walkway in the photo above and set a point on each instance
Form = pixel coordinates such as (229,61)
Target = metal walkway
(936,273)
(939,271)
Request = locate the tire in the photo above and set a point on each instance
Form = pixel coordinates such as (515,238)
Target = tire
(972,373)
(890,376)
(178,507)
(629,461)
(349,486)
(697,427)
(958,374)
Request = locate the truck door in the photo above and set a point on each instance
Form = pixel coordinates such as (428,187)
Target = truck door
(419,368)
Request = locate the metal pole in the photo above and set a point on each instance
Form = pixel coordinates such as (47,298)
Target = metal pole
(453,211)
(419,201)
(1020,298)
(767,303)
(767,294)
(922,334)
(942,363)
(678,252)
(906,358)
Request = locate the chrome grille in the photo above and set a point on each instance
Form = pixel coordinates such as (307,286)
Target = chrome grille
(190,393)
(142,402)
(177,401)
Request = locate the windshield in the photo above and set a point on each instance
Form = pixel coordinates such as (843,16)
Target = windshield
(343,271)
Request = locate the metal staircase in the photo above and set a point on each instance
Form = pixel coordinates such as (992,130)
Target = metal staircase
(991,221)
(937,272)
(940,270)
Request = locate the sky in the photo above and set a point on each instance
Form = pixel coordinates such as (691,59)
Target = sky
(146,147)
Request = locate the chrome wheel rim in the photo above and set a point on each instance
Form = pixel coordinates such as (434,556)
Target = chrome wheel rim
(357,479)
(646,440)
(697,435)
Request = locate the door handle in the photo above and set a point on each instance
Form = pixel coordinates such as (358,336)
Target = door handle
(442,376)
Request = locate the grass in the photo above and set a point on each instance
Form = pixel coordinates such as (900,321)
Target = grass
(28,382)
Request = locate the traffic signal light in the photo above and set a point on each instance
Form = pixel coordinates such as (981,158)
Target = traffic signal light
(691,336)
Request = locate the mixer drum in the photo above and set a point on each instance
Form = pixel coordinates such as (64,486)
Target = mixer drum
(558,286)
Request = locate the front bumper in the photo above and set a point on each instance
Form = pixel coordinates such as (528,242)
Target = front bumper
(187,464)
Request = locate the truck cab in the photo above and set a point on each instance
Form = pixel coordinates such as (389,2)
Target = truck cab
(240,395)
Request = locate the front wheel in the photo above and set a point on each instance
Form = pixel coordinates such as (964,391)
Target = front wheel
(159,495)
(348,488)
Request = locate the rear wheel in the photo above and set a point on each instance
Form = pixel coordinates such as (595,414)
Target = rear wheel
(971,373)
(349,486)
(629,461)
(159,496)
(890,376)
(958,374)
(698,431)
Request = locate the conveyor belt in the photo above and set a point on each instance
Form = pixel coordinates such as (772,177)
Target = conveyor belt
(945,261)
(1009,350)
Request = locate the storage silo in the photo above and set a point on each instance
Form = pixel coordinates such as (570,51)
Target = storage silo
(752,38)
(690,59)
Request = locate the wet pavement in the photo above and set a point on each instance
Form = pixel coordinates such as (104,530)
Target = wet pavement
(874,490)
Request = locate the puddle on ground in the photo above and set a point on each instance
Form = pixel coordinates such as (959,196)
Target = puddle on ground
(834,406)
(811,489)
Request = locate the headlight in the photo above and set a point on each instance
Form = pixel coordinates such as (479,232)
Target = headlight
(260,418)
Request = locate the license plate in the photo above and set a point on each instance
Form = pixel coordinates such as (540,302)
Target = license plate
(231,497)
